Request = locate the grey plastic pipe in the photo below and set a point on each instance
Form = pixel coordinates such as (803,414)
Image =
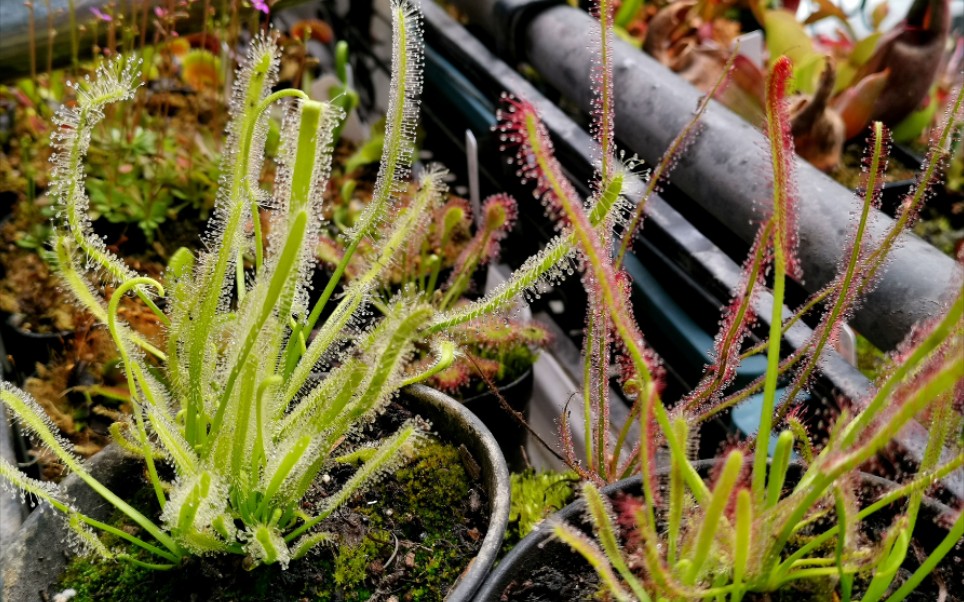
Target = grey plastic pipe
(727,170)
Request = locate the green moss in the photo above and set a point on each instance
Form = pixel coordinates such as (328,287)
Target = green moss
(536,495)
(434,485)
(94,579)
(352,562)
(432,488)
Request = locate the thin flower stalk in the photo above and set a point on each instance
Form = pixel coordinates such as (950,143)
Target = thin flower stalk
(668,161)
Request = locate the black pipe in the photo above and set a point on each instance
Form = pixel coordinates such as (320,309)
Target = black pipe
(727,170)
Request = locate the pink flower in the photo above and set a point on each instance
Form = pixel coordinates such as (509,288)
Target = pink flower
(101,15)
(261,5)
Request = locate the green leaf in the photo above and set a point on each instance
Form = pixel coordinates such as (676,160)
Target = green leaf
(786,36)
(911,128)
(366,154)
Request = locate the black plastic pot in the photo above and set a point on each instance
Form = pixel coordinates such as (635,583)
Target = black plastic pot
(508,432)
(28,348)
(540,549)
(34,561)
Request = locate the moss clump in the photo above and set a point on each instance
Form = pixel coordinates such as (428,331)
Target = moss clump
(354,562)
(434,485)
(536,495)
(431,489)
(94,579)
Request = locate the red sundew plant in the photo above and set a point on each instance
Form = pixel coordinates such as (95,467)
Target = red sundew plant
(439,263)
(520,127)
(751,527)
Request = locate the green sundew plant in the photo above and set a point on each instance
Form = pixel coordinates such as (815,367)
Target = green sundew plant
(243,409)
(237,403)
(749,528)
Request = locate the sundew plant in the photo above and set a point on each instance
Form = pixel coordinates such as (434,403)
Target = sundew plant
(438,264)
(238,403)
(748,528)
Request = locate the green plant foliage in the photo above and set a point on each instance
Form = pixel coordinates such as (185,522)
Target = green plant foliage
(239,404)
(389,531)
(144,166)
(142,180)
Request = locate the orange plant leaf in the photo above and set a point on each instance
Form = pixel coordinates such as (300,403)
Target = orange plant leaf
(856,104)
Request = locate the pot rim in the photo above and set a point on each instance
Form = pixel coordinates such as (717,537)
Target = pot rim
(527,374)
(495,476)
(541,535)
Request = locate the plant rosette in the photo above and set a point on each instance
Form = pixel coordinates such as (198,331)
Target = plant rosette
(541,563)
(440,516)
